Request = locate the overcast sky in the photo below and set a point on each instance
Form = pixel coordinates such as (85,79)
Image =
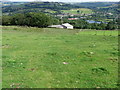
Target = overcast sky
(70,0)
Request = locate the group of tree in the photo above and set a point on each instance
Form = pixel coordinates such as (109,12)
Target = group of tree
(42,20)
(82,24)
(30,19)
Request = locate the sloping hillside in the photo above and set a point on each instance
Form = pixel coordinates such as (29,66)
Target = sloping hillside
(101,7)
(38,6)
(95,4)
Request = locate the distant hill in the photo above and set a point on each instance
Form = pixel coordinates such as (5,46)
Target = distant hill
(113,8)
(107,7)
(56,7)
(95,4)
(37,6)
(9,3)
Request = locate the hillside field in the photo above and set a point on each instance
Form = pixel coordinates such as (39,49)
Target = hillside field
(82,11)
(59,58)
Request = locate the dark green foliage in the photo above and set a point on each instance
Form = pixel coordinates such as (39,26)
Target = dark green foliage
(78,11)
(30,19)
(37,19)
(18,19)
(111,25)
(6,20)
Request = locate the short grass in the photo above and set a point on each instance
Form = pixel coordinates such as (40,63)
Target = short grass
(82,11)
(59,58)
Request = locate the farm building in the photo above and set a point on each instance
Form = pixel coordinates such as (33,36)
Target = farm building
(65,25)
(56,26)
(73,18)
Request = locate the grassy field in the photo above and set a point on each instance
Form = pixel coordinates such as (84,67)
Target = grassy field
(50,11)
(59,58)
(82,10)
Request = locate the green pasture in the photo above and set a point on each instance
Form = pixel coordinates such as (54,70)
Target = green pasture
(59,58)
(82,11)
(50,11)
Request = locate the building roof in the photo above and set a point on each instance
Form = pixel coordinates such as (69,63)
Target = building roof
(73,18)
(57,26)
(67,25)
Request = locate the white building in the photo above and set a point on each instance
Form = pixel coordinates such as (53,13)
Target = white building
(65,25)
(56,26)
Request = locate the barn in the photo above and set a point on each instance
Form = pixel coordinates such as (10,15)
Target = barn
(65,25)
(56,26)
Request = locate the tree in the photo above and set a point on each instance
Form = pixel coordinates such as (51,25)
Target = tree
(78,11)
(111,26)
(103,26)
(6,20)
(18,19)
(39,19)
